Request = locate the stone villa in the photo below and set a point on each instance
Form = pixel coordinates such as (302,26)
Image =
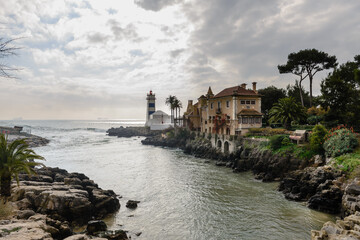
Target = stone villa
(232,111)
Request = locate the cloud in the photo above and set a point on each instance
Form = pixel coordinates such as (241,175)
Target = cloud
(103,56)
(155,5)
(97,38)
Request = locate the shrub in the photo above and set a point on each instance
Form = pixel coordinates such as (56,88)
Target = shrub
(276,141)
(286,141)
(339,141)
(265,131)
(312,120)
(317,139)
(348,162)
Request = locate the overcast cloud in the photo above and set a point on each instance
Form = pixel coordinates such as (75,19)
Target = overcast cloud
(90,59)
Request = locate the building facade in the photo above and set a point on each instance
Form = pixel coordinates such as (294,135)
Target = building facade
(232,111)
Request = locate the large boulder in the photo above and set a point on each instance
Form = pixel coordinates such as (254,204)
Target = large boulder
(72,197)
(95,226)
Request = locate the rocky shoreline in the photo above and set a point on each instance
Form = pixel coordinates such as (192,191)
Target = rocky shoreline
(48,205)
(131,132)
(321,186)
(32,140)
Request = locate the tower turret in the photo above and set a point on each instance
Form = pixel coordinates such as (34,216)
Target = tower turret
(150,107)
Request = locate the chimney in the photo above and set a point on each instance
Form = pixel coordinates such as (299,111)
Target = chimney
(254,86)
(243,85)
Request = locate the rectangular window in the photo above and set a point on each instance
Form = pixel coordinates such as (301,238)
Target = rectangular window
(219,105)
(211,105)
(227,104)
(242,101)
(245,120)
(251,120)
(258,120)
(151,104)
(247,101)
(253,102)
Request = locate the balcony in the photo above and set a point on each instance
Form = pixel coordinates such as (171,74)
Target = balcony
(218,111)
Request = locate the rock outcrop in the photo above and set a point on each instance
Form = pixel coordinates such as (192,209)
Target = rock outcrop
(131,131)
(64,196)
(38,226)
(351,198)
(348,229)
(319,186)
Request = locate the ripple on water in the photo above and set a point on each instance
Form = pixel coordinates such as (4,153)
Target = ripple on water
(181,196)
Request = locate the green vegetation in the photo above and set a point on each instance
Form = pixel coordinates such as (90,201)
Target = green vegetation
(275,142)
(266,132)
(15,157)
(175,106)
(286,111)
(341,95)
(317,139)
(306,63)
(348,162)
(340,141)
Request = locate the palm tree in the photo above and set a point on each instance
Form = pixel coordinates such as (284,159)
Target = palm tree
(286,111)
(170,101)
(177,106)
(15,157)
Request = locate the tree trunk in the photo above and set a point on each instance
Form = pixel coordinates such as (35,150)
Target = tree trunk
(311,79)
(301,96)
(5,186)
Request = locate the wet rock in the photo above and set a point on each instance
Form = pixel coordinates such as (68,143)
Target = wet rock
(327,199)
(132,204)
(220,164)
(113,235)
(301,185)
(95,226)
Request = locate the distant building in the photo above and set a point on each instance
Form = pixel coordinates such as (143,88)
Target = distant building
(156,120)
(232,111)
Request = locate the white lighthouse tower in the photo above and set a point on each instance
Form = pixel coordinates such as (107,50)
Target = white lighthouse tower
(150,107)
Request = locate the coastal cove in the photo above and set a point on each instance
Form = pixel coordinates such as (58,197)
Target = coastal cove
(181,196)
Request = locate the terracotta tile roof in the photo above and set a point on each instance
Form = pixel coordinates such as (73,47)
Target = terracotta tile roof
(237,90)
(249,112)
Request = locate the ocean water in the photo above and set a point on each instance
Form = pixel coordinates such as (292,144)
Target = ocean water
(181,197)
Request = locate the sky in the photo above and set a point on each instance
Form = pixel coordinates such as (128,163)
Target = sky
(98,59)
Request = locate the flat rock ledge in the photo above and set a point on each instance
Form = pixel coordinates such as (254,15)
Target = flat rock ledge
(41,227)
(64,196)
(50,203)
(32,140)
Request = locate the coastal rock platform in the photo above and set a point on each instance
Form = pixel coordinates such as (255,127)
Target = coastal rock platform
(64,196)
(48,205)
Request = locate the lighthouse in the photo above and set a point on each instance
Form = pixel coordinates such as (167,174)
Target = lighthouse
(150,107)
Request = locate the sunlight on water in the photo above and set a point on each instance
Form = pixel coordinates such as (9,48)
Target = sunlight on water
(182,197)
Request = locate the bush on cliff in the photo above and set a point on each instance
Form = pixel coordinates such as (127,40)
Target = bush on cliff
(317,139)
(340,141)
(348,162)
(276,141)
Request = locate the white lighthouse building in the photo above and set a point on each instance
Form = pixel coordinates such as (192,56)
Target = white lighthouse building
(156,120)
